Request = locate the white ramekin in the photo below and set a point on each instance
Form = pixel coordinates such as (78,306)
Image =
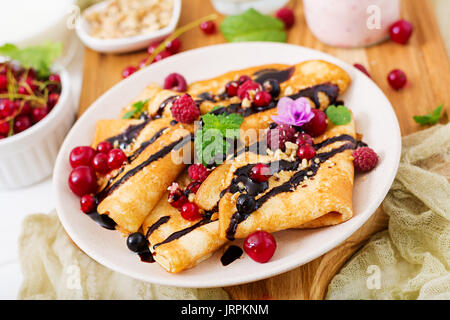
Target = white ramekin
(125,44)
(29,156)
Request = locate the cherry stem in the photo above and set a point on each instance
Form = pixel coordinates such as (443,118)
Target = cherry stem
(22,96)
(177,33)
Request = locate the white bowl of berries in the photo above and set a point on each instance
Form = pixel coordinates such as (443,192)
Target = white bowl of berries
(36,113)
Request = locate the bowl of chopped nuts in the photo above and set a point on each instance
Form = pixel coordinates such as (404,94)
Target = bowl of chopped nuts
(117,26)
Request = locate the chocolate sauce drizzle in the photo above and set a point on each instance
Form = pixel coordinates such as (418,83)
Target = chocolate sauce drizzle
(176,145)
(103,220)
(231,254)
(145,144)
(156,225)
(288,186)
(127,137)
(279,75)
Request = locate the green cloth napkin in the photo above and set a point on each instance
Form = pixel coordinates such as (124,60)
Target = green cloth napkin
(410,260)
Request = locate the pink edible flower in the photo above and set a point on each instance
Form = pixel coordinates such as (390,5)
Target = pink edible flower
(293,112)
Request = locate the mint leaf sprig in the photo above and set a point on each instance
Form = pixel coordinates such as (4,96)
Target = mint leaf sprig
(431,117)
(213,140)
(39,57)
(338,115)
(252,25)
(137,109)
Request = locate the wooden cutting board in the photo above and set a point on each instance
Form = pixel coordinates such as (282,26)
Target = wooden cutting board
(425,62)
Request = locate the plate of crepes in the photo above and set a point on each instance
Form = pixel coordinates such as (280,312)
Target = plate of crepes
(226,164)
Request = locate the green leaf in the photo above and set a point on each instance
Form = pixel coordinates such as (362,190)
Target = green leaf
(136,111)
(430,118)
(251,25)
(339,115)
(39,57)
(211,140)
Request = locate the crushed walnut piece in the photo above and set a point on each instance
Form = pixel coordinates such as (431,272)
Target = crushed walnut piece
(127,18)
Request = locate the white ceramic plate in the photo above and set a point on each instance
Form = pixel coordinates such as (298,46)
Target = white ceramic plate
(125,44)
(375,118)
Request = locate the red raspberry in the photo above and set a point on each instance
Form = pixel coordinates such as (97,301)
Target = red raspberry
(287,16)
(185,109)
(365,159)
(247,86)
(198,172)
(277,137)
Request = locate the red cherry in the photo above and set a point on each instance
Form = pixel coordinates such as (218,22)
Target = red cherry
(104,147)
(173,46)
(3,82)
(23,90)
(262,98)
(100,163)
(190,211)
(82,180)
(52,99)
(287,16)
(4,128)
(317,125)
(397,79)
(37,114)
(303,138)
(232,88)
(306,151)
(208,27)
(361,68)
(116,159)
(128,71)
(6,108)
(143,63)
(401,31)
(162,55)
(21,123)
(260,172)
(81,156)
(26,107)
(88,203)
(260,246)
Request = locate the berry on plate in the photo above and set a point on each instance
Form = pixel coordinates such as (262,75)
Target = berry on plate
(260,246)
(364,159)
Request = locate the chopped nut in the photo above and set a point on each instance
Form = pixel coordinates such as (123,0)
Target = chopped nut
(246,103)
(288,91)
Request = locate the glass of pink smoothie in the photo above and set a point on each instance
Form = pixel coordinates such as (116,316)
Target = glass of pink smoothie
(351,23)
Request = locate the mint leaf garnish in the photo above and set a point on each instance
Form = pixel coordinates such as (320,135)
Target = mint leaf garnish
(136,110)
(430,118)
(339,115)
(251,25)
(39,57)
(212,140)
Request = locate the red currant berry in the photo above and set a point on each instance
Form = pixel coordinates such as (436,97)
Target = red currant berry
(25,107)
(88,203)
(306,151)
(3,82)
(260,172)
(100,163)
(244,78)
(162,55)
(287,16)
(303,138)
(6,108)
(232,88)
(116,159)
(4,128)
(190,211)
(262,99)
(317,125)
(260,246)
(143,63)
(176,82)
(81,156)
(177,198)
(104,147)
(401,31)
(174,46)
(52,99)
(82,180)
(361,68)
(37,114)
(208,27)
(128,71)
(397,79)
(54,78)
(151,48)
(193,186)
(21,123)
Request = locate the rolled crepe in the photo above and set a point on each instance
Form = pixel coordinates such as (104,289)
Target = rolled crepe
(154,164)
(193,241)
(319,81)
(305,196)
